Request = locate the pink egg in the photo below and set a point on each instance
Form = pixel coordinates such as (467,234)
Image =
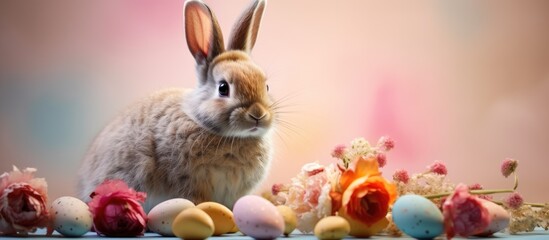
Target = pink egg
(500,218)
(258,218)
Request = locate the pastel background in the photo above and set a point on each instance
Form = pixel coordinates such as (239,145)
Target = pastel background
(464,82)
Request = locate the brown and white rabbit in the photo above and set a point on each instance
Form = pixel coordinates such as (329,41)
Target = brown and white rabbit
(207,144)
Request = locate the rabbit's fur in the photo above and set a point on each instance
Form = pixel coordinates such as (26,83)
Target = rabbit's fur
(196,144)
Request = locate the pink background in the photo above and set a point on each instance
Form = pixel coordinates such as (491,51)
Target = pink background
(464,82)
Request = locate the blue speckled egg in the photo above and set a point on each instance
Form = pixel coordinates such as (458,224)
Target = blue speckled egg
(418,217)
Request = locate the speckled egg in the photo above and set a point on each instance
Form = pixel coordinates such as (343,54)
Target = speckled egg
(161,216)
(332,227)
(71,217)
(417,216)
(258,218)
(290,218)
(221,216)
(193,223)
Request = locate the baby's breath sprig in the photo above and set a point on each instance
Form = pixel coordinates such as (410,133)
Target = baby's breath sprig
(362,148)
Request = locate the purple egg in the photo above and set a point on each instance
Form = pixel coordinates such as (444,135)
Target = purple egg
(258,218)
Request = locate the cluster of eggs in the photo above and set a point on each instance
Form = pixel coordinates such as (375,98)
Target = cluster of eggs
(254,216)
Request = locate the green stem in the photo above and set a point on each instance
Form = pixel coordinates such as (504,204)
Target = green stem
(540,205)
(516,180)
(475,192)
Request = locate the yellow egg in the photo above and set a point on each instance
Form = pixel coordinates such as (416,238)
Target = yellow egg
(193,223)
(235,229)
(290,218)
(222,217)
(359,229)
(332,227)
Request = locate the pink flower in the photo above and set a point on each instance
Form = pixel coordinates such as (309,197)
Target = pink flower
(386,143)
(464,214)
(23,201)
(117,211)
(513,201)
(339,151)
(401,175)
(438,168)
(278,187)
(477,186)
(508,166)
(381,159)
(308,194)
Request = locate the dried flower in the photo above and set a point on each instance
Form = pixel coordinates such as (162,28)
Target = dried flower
(401,175)
(425,184)
(513,200)
(339,151)
(477,186)
(117,210)
(464,214)
(385,143)
(381,159)
(438,167)
(508,166)
(523,219)
(23,201)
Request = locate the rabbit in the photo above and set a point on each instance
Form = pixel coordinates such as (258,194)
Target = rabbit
(211,143)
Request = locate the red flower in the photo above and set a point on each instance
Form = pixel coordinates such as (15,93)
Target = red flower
(464,214)
(23,201)
(117,210)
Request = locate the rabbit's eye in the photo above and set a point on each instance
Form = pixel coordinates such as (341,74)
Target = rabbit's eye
(223,88)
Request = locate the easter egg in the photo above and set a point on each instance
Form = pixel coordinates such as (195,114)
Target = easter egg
(290,218)
(360,229)
(499,218)
(161,216)
(258,218)
(332,227)
(417,216)
(193,223)
(221,216)
(70,216)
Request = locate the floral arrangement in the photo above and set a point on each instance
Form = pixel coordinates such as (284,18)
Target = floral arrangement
(354,189)
(351,193)
(23,201)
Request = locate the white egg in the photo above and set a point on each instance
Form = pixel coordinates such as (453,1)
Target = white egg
(161,216)
(71,216)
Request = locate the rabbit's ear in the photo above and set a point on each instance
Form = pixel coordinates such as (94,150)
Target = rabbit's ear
(245,30)
(202,31)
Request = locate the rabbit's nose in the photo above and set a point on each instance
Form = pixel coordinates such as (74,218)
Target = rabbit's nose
(257,118)
(256,113)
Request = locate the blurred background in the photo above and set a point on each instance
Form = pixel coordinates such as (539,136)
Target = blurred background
(464,82)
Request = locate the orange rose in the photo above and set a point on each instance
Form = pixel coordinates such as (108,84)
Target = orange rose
(364,197)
